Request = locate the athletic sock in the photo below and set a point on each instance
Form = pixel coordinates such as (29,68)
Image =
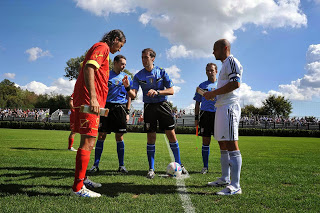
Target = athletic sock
(205,155)
(176,151)
(151,150)
(225,167)
(235,163)
(71,140)
(98,152)
(82,160)
(120,151)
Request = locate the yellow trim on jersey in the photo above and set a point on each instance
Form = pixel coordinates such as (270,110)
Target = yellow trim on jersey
(93,62)
(108,58)
(81,64)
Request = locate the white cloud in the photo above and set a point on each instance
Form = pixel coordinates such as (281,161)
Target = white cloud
(174,73)
(9,75)
(196,26)
(264,32)
(145,18)
(104,7)
(59,86)
(302,89)
(36,52)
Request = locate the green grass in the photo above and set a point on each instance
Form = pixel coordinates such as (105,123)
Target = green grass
(36,175)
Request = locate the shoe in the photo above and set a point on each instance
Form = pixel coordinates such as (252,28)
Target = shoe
(230,190)
(84,192)
(204,170)
(72,149)
(184,170)
(151,174)
(218,183)
(94,169)
(90,184)
(123,170)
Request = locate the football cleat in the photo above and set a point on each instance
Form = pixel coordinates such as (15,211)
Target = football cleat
(94,169)
(84,192)
(204,170)
(90,184)
(123,170)
(230,190)
(72,149)
(218,183)
(151,174)
(184,170)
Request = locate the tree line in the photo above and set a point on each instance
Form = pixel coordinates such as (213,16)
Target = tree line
(14,97)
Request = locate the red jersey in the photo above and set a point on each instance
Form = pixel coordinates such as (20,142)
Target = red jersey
(98,55)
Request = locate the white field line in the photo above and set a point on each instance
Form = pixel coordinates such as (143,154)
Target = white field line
(181,187)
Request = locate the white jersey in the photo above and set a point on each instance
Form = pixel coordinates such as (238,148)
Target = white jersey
(231,70)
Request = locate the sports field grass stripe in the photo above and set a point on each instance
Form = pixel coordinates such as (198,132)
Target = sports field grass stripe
(181,187)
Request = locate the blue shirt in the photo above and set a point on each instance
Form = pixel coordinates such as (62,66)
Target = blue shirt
(117,93)
(206,105)
(157,79)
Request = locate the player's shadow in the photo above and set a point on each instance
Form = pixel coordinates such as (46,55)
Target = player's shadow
(25,173)
(12,177)
(29,190)
(115,172)
(35,149)
(116,189)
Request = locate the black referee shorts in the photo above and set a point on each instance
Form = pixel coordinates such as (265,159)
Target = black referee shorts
(160,112)
(206,123)
(116,121)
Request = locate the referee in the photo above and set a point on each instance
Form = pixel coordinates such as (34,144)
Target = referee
(206,113)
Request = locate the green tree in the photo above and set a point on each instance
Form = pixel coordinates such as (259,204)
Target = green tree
(276,105)
(250,110)
(73,65)
(53,101)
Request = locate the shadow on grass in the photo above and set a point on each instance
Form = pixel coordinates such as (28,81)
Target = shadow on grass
(35,149)
(12,175)
(29,190)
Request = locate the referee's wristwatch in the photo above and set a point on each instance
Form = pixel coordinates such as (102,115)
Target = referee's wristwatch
(158,92)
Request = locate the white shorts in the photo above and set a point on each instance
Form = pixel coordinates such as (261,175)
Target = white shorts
(227,122)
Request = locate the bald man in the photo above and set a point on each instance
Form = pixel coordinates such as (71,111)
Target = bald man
(227,118)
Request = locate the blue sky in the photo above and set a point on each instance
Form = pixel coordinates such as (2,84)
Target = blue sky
(277,43)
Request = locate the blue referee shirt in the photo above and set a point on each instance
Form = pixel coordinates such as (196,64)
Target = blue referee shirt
(206,105)
(157,79)
(117,93)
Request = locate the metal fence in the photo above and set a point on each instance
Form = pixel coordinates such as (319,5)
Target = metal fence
(184,120)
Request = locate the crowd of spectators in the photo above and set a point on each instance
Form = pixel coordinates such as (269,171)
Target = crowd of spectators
(260,119)
(24,113)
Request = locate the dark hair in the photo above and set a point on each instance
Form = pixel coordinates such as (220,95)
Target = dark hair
(112,35)
(118,57)
(212,64)
(151,52)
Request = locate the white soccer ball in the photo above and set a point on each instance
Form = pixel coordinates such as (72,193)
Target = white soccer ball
(174,169)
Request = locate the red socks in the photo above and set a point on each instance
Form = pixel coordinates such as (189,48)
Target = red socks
(82,161)
(70,142)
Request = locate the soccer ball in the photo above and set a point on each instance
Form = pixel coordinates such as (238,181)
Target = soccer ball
(174,169)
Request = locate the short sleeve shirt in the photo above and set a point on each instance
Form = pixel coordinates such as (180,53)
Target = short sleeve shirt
(231,71)
(206,105)
(117,92)
(157,79)
(97,55)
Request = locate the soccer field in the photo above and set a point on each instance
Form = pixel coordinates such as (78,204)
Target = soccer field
(37,171)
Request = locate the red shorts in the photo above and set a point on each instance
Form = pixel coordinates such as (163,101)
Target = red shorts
(85,123)
(72,120)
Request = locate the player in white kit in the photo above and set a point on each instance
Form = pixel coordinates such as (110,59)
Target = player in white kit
(227,118)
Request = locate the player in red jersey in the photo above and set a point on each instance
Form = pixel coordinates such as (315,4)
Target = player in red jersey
(91,89)
(72,133)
